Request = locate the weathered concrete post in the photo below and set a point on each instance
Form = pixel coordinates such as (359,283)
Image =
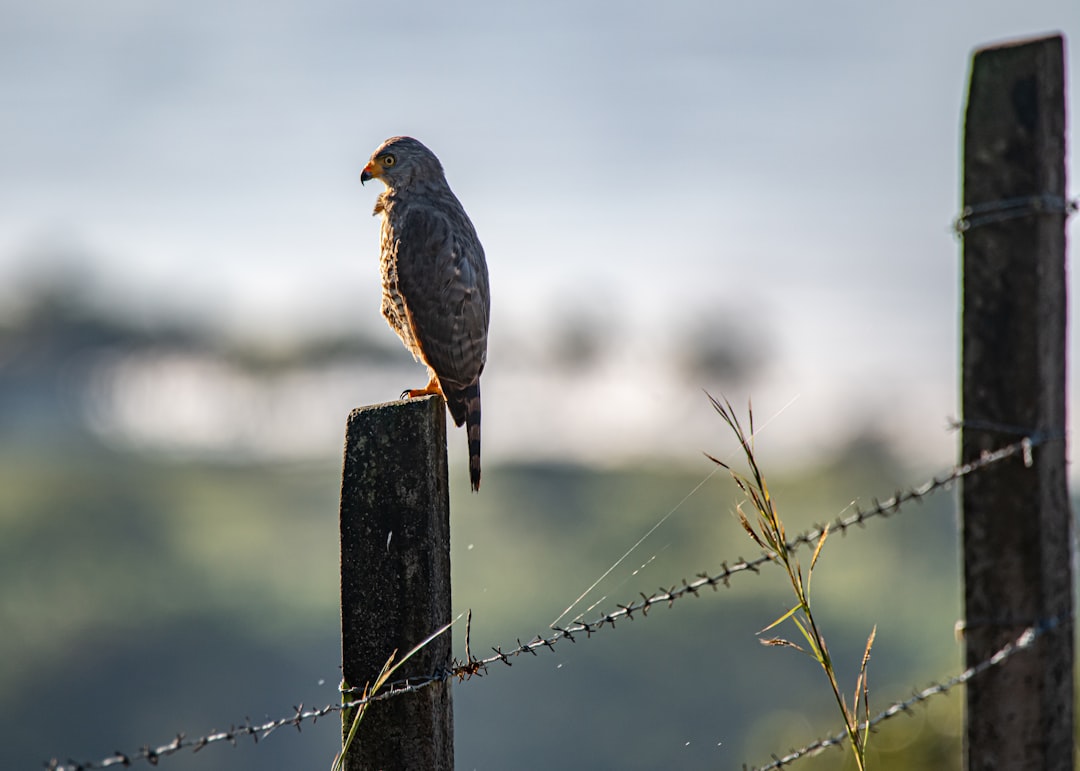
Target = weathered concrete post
(395,580)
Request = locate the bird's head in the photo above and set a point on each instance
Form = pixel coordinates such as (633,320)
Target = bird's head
(402,161)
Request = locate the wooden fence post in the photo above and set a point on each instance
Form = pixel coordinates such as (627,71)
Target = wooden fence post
(1017,520)
(395,580)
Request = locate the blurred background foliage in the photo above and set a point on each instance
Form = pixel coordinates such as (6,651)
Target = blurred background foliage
(147,592)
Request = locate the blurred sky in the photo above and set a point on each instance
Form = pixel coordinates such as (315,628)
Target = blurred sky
(634,166)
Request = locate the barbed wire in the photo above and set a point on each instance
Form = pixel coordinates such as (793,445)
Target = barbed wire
(1024,641)
(464,670)
(668,596)
(153,754)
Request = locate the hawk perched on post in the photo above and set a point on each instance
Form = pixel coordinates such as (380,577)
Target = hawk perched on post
(434,279)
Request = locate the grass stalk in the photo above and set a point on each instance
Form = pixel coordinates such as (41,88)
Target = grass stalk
(388,669)
(766,529)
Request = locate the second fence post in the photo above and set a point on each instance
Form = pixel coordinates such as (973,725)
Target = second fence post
(1018,543)
(395,581)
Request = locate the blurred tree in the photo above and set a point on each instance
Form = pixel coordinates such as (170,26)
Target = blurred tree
(578,341)
(722,348)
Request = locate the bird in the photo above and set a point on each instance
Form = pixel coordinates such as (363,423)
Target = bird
(435,292)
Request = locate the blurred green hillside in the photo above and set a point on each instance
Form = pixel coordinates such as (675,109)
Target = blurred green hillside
(143,594)
(143,598)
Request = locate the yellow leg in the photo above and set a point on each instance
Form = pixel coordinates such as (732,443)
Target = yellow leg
(432,387)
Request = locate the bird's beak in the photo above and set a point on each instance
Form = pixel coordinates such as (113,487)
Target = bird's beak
(372,171)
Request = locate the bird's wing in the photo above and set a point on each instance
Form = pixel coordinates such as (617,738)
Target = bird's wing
(443,279)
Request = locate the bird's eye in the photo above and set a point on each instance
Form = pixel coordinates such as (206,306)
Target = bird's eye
(388,160)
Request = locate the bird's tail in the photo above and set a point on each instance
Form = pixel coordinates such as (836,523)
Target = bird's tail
(464,405)
(472,428)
